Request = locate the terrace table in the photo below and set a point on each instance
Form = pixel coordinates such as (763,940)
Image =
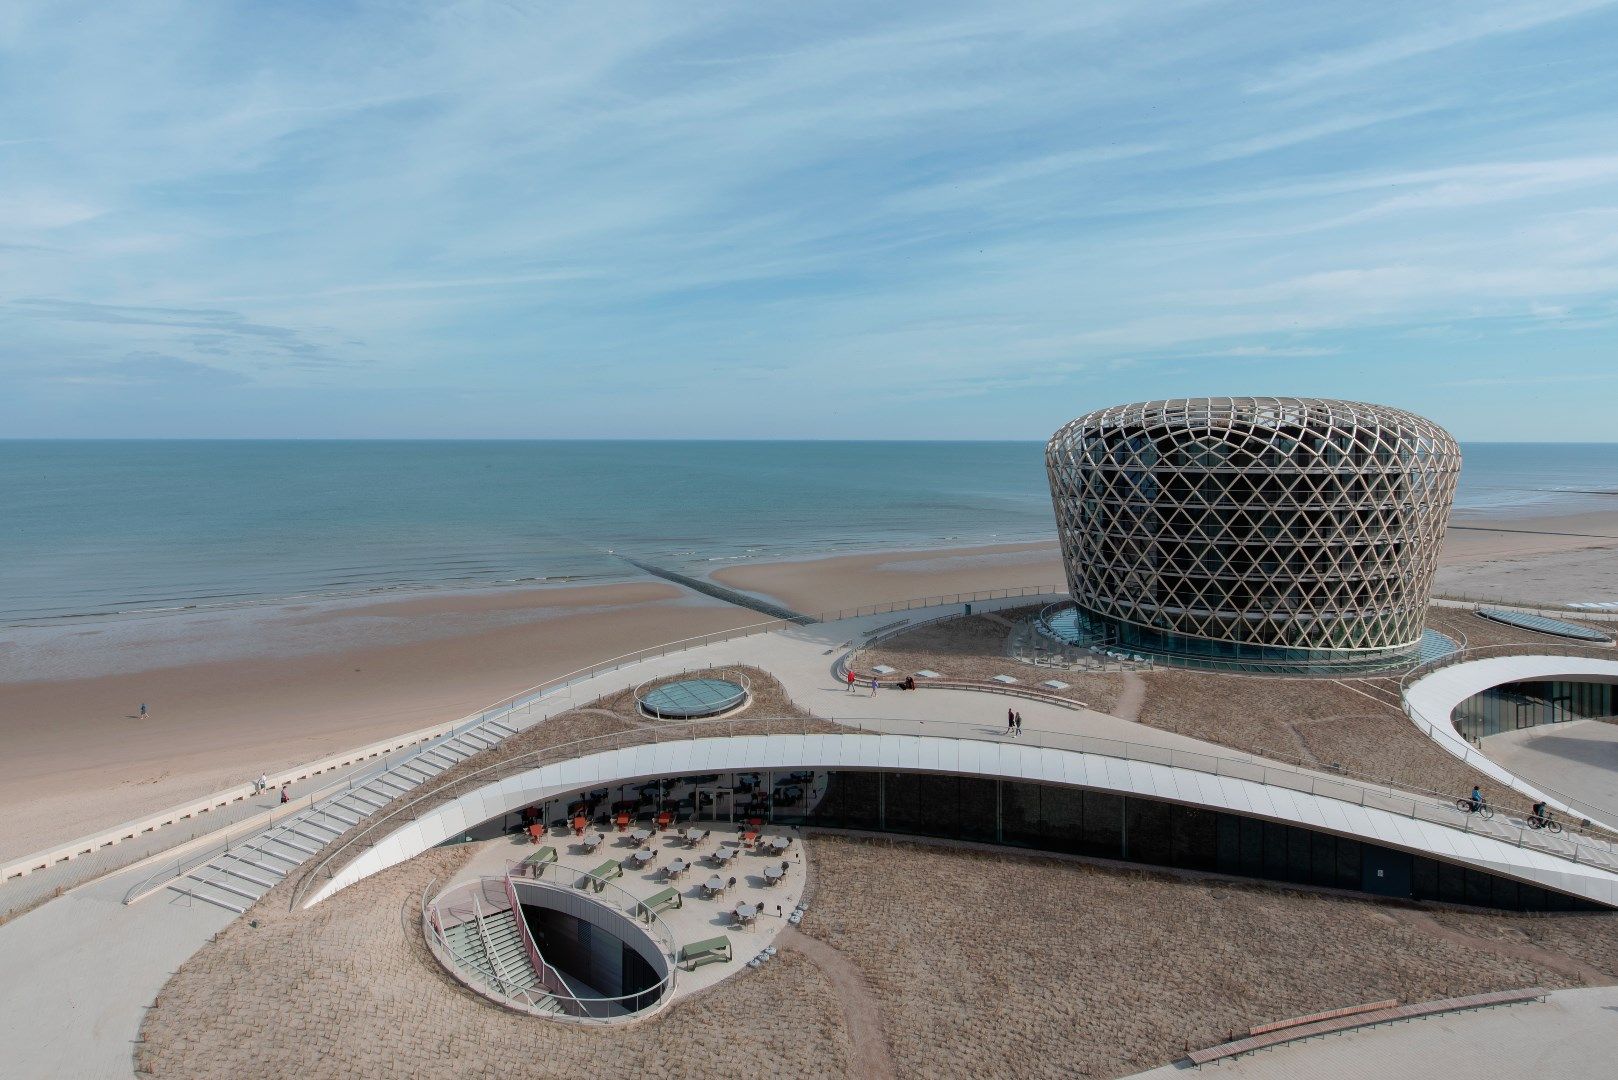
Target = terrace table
(773,873)
(694,835)
(716,884)
(591,841)
(724,854)
(644,858)
(676,868)
(746,913)
(777,844)
(640,836)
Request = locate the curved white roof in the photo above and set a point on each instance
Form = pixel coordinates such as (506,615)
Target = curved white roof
(1430,701)
(747,753)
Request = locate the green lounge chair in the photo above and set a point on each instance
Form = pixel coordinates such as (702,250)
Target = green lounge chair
(698,953)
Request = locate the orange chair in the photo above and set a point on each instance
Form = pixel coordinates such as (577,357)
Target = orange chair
(622,821)
(535,832)
(664,820)
(579,824)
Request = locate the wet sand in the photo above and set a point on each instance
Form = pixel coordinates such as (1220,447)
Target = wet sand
(231,694)
(1563,559)
(849,581)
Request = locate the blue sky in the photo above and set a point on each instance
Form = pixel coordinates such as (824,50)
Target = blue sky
(823,220)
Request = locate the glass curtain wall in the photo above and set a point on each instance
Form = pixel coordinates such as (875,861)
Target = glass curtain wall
(1069,820)
(1513,706)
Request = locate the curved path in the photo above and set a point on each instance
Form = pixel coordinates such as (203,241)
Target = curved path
(862,1012)
(1431,699)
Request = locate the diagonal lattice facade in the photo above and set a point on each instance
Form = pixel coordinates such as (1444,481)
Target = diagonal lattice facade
(1288,528)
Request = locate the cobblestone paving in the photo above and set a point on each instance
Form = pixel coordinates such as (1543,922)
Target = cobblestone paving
(348,990)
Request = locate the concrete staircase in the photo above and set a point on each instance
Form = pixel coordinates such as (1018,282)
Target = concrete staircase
(237,877)
(491,947)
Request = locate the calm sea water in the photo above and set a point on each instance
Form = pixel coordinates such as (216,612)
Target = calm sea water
(107,527)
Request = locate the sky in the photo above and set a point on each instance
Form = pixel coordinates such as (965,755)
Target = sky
(755,220)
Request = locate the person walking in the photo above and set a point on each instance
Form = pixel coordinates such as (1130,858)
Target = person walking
(143,710)
(1011,721)
(873,687)
(850,680)
(263,784)
(285,798)
(1019,725)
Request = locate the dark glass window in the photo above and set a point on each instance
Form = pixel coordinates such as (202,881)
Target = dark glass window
(979,802)
(1146,833)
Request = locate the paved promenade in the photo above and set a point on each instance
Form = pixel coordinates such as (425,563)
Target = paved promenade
(1570,1036)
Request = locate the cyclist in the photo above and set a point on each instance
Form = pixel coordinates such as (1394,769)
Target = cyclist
(1539,813)
(1476,798)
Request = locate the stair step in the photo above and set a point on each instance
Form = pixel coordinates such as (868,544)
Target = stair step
(259,847)
(280,838)
(331,812)
(322,841)
(234,872)
(224,886)
(228,905)
(368,797)
(258,853)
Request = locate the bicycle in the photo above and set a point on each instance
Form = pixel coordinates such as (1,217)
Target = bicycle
(1547,823)
(1467,806)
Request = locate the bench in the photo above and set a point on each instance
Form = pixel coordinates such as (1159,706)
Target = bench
(598,878)
(704,952)
(1348,1019)
(657,902)
(536,863)
(1315,1018)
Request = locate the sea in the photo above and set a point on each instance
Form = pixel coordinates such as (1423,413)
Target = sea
(107,528)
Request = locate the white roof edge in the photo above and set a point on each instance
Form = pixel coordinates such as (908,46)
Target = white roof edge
(890,752)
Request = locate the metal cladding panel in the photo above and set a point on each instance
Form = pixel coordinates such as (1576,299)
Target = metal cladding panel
(642,760)
(1333,815)
(578,772)
(976,757)
(454,820)
(930,756)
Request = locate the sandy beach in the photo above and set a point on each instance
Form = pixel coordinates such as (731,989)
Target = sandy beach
(259,688)
(231,693)
(848,581)
(1562,559)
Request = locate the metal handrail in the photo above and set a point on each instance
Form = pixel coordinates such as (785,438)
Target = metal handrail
(1487,652)
(1596,851)
(662,988)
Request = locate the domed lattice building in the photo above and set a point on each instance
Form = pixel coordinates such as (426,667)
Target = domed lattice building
(1278,530)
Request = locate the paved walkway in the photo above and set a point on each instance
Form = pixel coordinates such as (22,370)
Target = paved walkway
(80,971)
(1579,757)
(24,892)
(1569,1036)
